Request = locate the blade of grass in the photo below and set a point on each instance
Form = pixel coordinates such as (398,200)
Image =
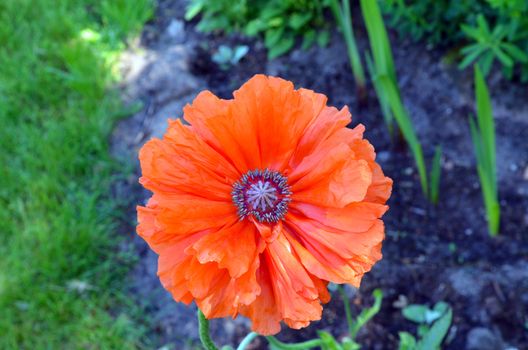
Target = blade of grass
(406,127)
(483,136)
(385,107)
(435,175)
(343,18)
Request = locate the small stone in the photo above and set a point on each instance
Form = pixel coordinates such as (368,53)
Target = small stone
(466,282)
(383,156)
(513,167)
(448,165)
(525,174)
(483,339)
(176,31)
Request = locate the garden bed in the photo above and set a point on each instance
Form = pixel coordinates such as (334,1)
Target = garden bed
(431,253)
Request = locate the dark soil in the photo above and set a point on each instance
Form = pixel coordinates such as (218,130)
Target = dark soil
(431,253)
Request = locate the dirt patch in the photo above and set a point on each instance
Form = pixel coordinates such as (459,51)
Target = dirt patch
(431,253)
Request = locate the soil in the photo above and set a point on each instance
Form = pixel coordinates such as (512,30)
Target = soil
(431,253)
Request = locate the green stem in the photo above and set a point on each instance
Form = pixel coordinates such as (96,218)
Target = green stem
(348,313)
(247,340)
(299,346)
(344,21)
(203,328)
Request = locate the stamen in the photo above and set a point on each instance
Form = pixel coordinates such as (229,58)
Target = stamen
(264,194)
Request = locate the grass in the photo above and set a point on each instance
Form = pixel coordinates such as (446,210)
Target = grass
(60,275)
(483,136)
(343,18)
(383,75)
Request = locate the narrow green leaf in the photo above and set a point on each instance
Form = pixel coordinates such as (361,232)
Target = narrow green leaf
(405,124)
(280,48)
(515,52)
(485,61)
(503,58)
(471,56)
(433,339)
(435,175)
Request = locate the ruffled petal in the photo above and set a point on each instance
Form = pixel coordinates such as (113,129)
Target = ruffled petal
(263,311)
(295,293)
(332,254)
(336,182)
(184,167)
(233,247)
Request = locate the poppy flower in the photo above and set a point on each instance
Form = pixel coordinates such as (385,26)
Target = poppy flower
(260,201)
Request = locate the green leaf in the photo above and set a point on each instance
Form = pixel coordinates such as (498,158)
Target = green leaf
(309,39)
(254,27)
(349,344)
(434,175)
(407,341)
(280,48)
(273,36)
(415,313)
(515,52)
(328,341)
(483,135)
(298,20)
(436,334)
(323,37)
(503,58)
(485,62)
(404,122)
(193,9)
(471,56)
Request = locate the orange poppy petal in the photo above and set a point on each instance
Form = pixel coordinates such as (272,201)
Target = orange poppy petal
(216,293)
(326,124)
(169,169)
(336,183)
(263,311)
(233,247)
(295,293)
(173,264)
(278,116)
(355,217)
(336,256)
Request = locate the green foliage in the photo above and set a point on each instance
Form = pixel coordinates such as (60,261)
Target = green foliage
(490,29)
(490,45)
(343,18)
(354,325)
(483,136)
(279,22)
(433,325)
(59,267)
(226,57)
(437,21)
(383,74)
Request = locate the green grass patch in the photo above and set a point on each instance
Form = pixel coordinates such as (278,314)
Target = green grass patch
(60,273)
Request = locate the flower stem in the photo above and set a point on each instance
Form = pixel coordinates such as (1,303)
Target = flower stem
(203,328)
(299,346)
(247,340)
(348,313)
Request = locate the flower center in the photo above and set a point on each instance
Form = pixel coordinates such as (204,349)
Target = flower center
(265,194)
